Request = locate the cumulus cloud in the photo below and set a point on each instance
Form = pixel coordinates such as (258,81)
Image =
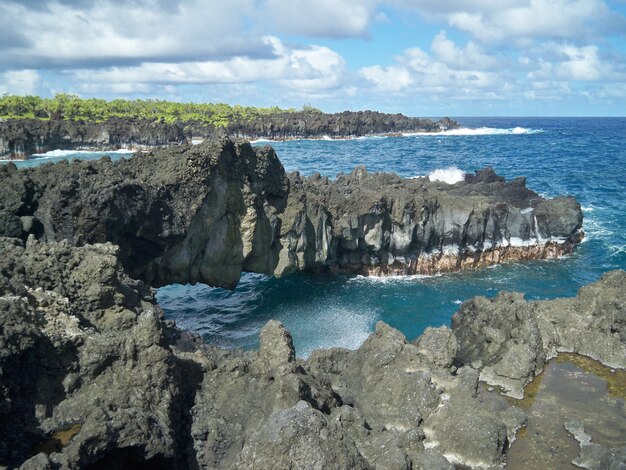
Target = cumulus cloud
(224,50)
(109,32)
(321,18)
(470,56)
(462,72)
(312,67)
(567,62)
(489,20)
(19,82)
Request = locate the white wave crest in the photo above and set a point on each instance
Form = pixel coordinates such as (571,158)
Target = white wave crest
(450,175)
(68,153)
(391,279)
(468,131)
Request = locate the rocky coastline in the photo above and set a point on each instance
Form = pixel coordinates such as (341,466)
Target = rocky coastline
(21,138)
(205,213)
(93,376)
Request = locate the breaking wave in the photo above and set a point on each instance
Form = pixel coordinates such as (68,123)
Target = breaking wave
(450,175)
(467,131)
(74,153)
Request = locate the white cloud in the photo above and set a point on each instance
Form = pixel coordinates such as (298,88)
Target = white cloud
(107,32)
(19,82)
(453,71)
(312,67)
(469,57)
(489,20)
(321,18)
(391,78)
(567,62)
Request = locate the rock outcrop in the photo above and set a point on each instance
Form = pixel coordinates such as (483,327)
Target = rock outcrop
(206,213)
(92,376)
(510,339)
(20,138)
(307,125)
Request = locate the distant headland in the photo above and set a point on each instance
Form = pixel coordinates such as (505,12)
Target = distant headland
(31,124)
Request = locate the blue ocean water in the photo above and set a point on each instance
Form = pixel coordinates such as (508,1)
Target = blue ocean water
(583,157)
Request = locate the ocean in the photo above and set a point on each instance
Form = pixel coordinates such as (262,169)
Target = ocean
(582,157)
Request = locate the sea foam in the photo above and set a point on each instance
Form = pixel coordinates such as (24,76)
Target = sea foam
(468,131)
(69,153)
(450,175)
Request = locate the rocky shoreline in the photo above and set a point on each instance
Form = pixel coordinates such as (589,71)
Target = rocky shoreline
(93,376)
(21,138)
(92,373)
(206,213)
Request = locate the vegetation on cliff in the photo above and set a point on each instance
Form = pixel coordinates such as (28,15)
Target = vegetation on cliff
(74,108)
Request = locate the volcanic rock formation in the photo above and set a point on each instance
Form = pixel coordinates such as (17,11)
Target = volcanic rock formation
(206,213)
(92,376)
(20,138)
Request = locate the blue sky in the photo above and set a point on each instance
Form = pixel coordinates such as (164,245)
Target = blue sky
(418,57)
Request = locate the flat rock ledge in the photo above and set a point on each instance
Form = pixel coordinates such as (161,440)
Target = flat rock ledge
(206,213)
(93,376)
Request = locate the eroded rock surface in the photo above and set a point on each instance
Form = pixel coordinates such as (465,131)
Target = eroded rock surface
(509,339)
(85,347)
(206,213)
(20,138)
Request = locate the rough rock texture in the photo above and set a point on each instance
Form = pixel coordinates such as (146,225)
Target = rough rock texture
(593,456)
(339,125)
(80,342)
(91,376)
(20,138)
(205,213)
(509,339)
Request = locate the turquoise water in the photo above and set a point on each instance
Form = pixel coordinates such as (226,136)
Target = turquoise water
(583,157)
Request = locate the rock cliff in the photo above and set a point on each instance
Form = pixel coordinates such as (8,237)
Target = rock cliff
(206,213)
(92,376)
(20,138)
(347,124)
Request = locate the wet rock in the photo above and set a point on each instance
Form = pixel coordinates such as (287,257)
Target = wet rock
(593,456)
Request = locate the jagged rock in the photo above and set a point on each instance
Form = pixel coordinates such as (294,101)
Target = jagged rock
(347,124)
(276,346)
(79,344)
(509,339)
(85,354)
(439,345)
(20,138)
(300,437)
(205,213)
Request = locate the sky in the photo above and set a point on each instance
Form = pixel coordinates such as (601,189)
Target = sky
(423,58)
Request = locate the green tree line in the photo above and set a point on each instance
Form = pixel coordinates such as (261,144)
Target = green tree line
(71,107)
